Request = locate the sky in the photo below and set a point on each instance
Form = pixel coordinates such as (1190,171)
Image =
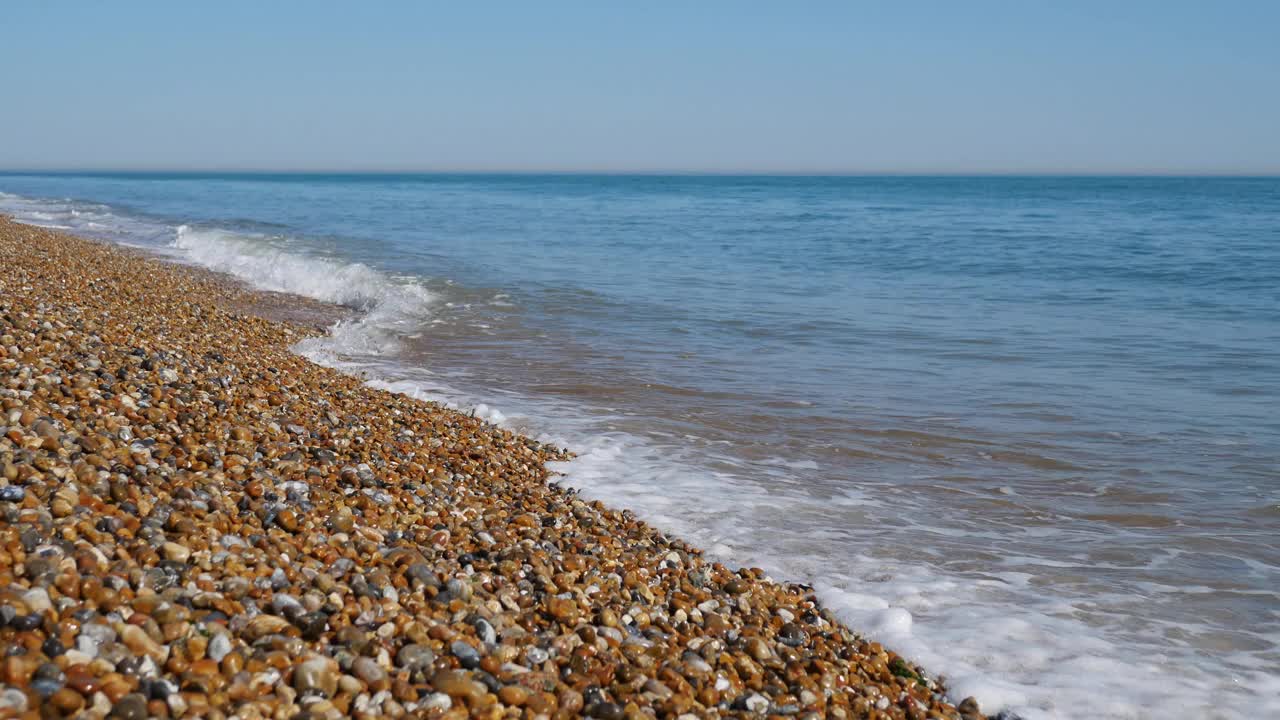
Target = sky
(829,87)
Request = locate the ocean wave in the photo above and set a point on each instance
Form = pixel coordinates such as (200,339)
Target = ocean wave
(389,307)
(258,263)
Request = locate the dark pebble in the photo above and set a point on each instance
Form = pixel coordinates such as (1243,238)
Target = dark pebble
(130,707)
(23,623)
(791,634)
(47,680)
(606,711)
(467,655)
(489,681)
(52,647)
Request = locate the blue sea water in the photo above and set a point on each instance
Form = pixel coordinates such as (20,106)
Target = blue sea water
(1023,429)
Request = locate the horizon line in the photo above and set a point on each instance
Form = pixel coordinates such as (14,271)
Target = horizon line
(667,172)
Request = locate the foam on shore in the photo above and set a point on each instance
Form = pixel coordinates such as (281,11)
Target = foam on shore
(389,307)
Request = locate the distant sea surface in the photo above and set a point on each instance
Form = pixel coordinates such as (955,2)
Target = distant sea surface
(1024,430)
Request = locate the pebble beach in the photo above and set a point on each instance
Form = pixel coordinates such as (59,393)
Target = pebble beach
(197,522)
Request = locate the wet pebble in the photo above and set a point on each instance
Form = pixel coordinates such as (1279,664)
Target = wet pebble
(467,656)
(368,670)
(130,707)
(414,657)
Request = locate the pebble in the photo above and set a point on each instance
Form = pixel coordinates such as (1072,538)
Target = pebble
(756,703)
(606,711)
(67,701)
(139,643)
(219,646)
(535,656)
(14,700)
(514,695)
(317,676)
(176,553)
(47,680)
(199,522)
(37,601)
(457,683)
(437,701)
(130,707)
(485,631)
(367,670)
(414,657)
(467,656)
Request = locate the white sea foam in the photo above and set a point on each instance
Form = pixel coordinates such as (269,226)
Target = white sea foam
(90,219)
(389,307)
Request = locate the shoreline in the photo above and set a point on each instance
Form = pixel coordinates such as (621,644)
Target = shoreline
(352,551)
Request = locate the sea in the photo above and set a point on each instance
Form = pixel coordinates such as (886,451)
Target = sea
(1023,430)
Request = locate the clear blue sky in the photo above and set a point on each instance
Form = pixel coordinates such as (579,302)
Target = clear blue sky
(952,86)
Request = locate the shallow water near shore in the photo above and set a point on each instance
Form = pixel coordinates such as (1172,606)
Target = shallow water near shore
(1021,429)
